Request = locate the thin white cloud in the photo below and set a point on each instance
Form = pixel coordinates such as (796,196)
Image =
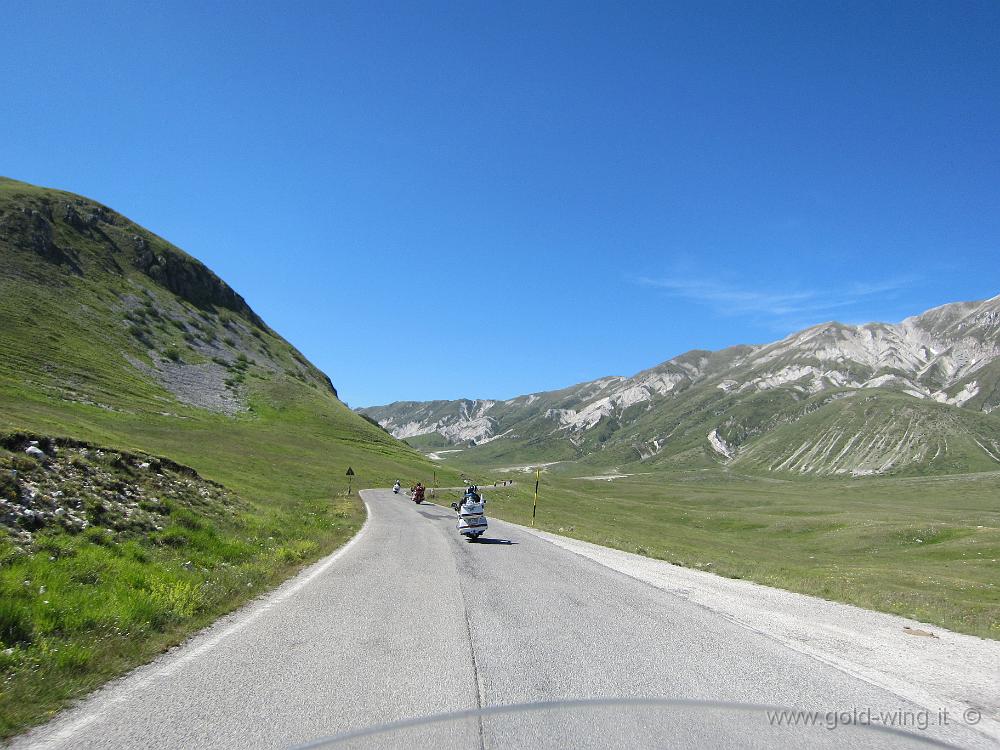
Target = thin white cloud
(777,305)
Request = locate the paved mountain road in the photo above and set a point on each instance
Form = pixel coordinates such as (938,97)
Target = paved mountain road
(410,620)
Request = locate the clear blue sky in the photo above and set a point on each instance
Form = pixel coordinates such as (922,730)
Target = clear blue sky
(568,190)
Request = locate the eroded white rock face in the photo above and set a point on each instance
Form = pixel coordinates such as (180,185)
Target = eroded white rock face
(969,391)
(634,394)
(659,383)
(474,429)
(719,445)
(410,429)
(590,415)
(470,424)
(784,376)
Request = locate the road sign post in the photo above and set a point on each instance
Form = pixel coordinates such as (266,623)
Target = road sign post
(534,505)
(350,479)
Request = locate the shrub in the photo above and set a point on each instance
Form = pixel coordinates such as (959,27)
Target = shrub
(173,536)
(138,610)
(179,598)
(98,535)
(73,657)
(187,519)
(173,354)
(24,464)
(136,552)
(55,545)
(143,336)
(15,622)
(9,489)
(10,659)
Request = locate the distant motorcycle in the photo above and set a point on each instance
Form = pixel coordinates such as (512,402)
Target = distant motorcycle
(418,494)
(395,488)
(471,511)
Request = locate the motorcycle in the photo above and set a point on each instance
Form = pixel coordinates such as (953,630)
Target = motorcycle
(395,488)
(418,495)
(471,511)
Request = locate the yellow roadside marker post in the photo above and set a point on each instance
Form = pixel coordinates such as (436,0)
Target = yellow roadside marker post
(534,505)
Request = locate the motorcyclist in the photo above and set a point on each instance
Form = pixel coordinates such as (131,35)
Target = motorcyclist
(471,516)
(395,488)
(471,495)
(418,493)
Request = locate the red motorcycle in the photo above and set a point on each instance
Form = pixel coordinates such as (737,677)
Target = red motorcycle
(418,494)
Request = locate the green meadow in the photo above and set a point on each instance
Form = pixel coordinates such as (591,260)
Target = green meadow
(924,548)
(80,608)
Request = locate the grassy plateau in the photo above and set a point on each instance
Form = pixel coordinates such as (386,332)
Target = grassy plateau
(924,548)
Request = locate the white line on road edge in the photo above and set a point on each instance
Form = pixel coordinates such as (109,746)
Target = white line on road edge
(185,653)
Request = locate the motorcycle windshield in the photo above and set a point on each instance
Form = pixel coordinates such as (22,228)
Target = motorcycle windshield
(642,723)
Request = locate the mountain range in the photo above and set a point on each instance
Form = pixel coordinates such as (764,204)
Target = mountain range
(913,397)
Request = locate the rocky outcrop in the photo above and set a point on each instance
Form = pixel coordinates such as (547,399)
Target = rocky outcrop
(188,279)
(62,483)
(33,230)
(47,226)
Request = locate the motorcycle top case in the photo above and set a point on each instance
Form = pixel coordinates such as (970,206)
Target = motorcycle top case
(471,518)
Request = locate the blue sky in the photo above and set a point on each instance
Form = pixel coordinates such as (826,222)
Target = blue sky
(489,199)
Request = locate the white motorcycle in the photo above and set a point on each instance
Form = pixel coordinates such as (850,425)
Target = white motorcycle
(471,514)
(395,488)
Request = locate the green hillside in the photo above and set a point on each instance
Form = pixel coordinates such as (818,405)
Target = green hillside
(878,433)
(113,338)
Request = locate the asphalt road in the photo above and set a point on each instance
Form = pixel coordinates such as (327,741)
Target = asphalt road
(410,620)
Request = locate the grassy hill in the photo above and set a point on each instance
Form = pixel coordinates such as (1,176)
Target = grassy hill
(114,339)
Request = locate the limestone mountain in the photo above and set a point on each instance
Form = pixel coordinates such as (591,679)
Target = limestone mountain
(911,397)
